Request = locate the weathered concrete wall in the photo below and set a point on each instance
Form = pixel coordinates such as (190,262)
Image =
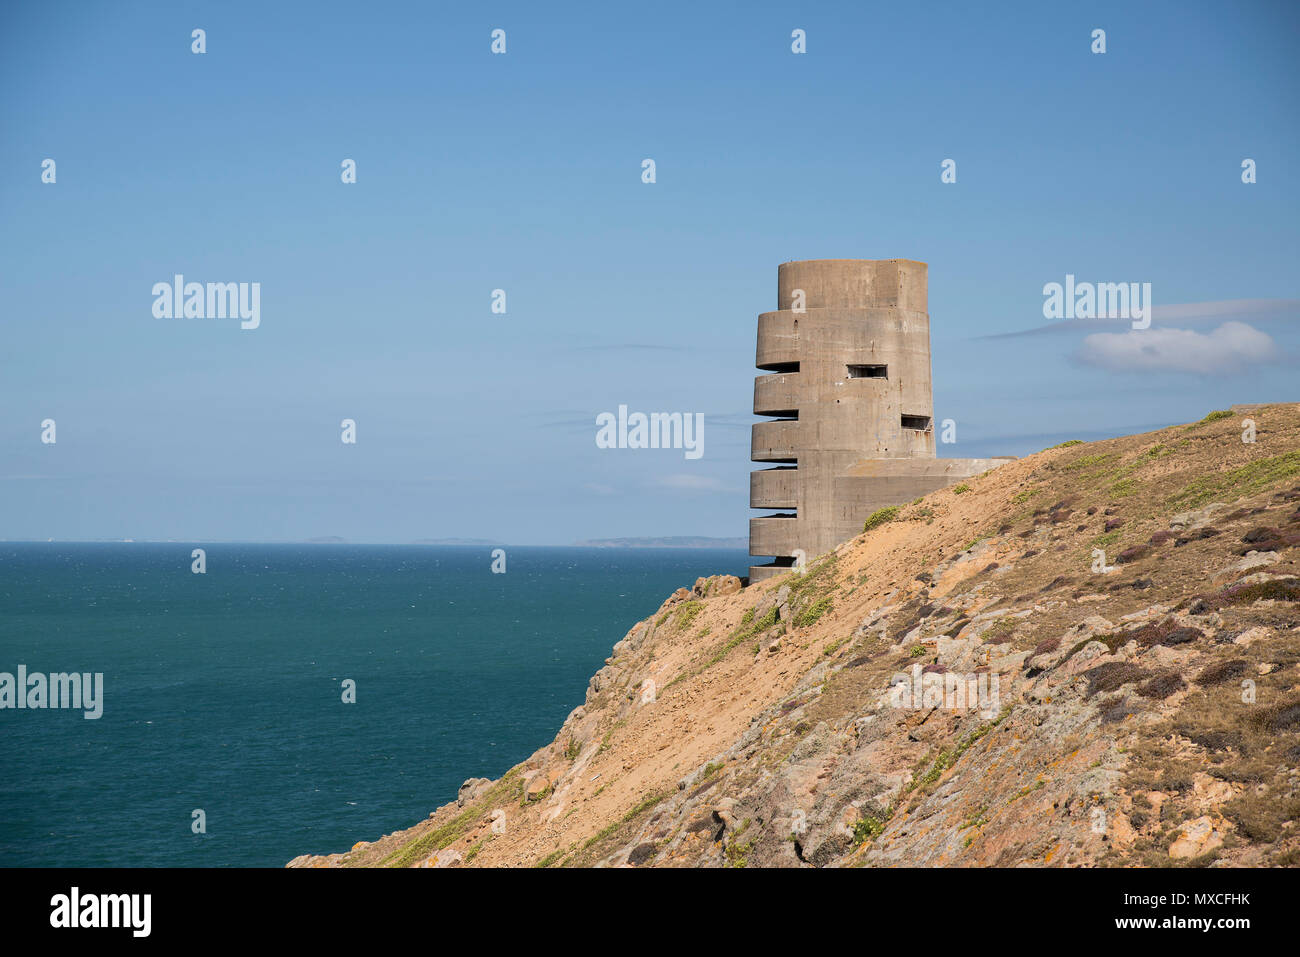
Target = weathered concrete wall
(848,357)
(875,483)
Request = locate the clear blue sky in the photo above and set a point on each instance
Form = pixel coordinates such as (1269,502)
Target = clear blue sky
(523,172)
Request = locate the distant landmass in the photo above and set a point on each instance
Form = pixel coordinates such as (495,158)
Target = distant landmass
(671,541)
(455,541)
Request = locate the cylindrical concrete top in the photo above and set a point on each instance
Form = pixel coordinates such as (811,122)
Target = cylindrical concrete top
(840,283)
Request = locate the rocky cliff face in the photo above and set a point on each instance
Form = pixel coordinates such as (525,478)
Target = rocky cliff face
(1086,657)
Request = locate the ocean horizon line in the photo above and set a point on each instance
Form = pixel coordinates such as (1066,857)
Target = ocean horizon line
(721,543)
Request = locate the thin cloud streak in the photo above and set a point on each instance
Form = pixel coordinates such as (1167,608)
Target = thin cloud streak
(1258,310)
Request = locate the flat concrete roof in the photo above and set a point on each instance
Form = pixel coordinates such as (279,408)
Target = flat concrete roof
(917,261)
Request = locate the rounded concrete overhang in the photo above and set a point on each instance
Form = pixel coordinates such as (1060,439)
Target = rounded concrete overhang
(778,340)
(774,488)
(776,394)
(774,535)
(776,441)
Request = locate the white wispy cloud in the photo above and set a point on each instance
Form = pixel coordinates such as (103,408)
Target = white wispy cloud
(1230,348)
(1187,313)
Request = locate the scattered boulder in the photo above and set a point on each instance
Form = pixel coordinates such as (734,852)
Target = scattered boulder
(447,857)
(716,585)
(471,791)
(1252,560)
(1250,636)
(1198,837)
(537,787)
(1197,518)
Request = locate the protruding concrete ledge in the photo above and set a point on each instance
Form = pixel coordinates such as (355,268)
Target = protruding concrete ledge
(778,340)
(758,573)
(776,394)
(774,488)
(786,336)
(774,535)
(775,441)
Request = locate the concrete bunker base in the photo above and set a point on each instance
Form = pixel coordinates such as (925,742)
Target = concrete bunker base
(869,485)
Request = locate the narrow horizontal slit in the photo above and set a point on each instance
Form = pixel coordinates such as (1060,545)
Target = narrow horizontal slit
(868,372)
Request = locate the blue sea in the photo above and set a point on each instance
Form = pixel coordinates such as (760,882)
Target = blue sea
(223,691)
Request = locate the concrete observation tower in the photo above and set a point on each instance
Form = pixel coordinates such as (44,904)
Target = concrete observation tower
(848,386)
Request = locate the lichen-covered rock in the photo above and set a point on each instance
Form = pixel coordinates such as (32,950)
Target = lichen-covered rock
(471,790)
(1198,837)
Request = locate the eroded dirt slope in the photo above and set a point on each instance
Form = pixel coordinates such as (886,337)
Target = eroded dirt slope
(1129,608)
